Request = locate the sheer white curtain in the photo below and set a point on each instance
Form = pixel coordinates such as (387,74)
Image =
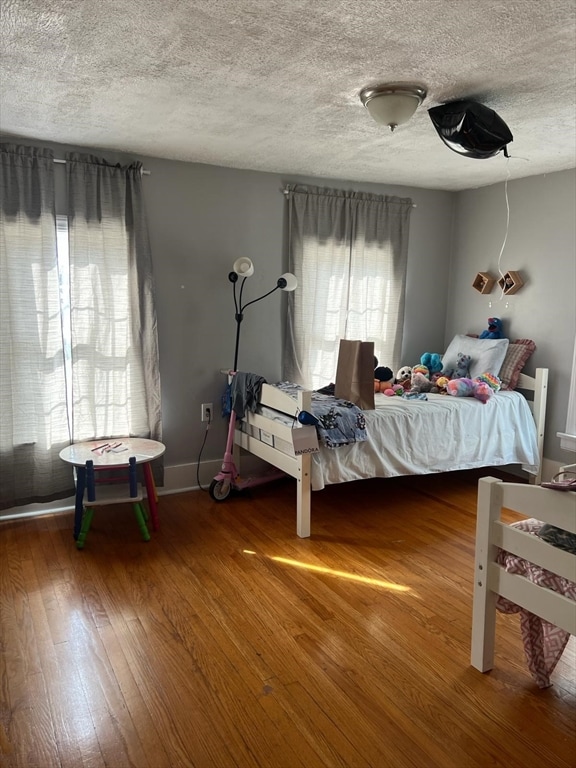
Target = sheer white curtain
(33,422)
(348,251)
(115,371)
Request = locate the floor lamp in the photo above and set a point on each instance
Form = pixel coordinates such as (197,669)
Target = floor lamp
(228,478)
(243,268)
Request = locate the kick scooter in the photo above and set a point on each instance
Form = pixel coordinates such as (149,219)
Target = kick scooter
(228,479)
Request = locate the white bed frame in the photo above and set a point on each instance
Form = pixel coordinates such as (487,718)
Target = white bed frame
(259,439)
(491,579)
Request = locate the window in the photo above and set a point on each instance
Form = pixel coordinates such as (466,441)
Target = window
(348,252)
(63,256)
(79,352)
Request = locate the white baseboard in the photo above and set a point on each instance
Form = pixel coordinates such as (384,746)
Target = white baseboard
(184,477)
(177,479)
(550,468)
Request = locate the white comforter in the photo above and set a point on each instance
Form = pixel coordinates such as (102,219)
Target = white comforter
(443,433)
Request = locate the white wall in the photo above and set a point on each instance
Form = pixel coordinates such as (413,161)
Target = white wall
(541,245)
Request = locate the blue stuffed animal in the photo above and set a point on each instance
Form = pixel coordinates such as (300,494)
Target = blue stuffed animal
(494,329)
(432,361)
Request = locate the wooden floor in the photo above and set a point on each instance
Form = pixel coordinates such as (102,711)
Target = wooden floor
(227,641)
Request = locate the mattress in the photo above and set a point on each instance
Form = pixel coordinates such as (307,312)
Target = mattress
(440,434)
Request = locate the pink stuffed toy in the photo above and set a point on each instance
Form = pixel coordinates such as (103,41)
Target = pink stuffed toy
(482,387)
(395,389)
(469,388)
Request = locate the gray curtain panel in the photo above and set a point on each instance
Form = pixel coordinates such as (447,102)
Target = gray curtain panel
(34,418)
(115,365)
(348,251)
(79,346)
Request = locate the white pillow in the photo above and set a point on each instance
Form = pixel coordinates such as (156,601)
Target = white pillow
(486,355)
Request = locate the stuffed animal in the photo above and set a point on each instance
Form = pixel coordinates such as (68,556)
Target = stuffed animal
(494,329)
(441,383)
(432,361)
(383,377)
(404,376)
(421,383)
(425,373)
(422,369)
(482,387)
(465,387)
(488,378)
(462,367)
(395,389)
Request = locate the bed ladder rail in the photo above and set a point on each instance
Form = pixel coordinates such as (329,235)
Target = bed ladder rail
(490,579)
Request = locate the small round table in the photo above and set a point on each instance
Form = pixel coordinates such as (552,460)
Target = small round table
(113,454)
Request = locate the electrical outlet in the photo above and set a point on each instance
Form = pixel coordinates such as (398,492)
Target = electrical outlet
(207,412)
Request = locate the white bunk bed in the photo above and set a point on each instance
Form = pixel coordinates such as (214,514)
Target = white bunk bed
(542,563)
(268,435)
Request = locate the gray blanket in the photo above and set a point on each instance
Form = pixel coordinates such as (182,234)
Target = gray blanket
(245,392)
(340,422)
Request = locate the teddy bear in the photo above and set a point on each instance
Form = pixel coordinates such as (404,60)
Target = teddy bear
(462,367)
(494,330)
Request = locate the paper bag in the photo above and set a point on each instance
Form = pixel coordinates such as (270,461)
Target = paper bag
(305,440)
(355,373)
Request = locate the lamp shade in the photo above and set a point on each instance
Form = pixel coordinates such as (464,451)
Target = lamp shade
(287,282)
(392,105)
(243,267)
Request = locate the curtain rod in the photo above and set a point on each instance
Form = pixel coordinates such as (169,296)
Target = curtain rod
(63,162)
(287,191)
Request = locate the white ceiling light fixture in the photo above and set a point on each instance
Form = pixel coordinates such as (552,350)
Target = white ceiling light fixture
(392,104)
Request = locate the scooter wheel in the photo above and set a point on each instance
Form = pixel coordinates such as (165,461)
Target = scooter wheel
(220,490)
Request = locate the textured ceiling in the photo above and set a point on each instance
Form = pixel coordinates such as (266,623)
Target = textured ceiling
(272,85)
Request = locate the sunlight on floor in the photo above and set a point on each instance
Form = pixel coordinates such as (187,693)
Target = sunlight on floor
(332,572)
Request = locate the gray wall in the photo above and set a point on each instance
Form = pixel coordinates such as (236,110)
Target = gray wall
(201,219)
(541,246)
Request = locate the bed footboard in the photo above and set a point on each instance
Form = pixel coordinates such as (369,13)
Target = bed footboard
(271,441)
(492,580)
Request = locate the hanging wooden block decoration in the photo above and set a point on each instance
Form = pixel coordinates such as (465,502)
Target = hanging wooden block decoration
(484,282)
(511,283)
